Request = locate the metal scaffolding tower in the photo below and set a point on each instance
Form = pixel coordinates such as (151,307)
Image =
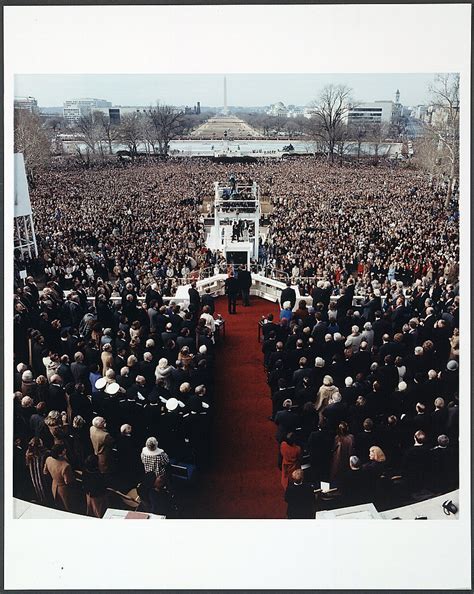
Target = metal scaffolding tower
(24,237)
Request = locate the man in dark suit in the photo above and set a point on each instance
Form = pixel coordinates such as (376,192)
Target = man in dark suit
(335,412)
(300,498)
(194,300)
(56,399)
(365,440)
(288,294)
(278,354)
(356,485)
(344,302)
(416,462)
(444,466)
(380,327)
(244,278)
(80,371)
(302,372)
(138,390)
(320,448)
(320,329)
(130,467)
(231,290)
(208,300)
(282,394)
(152,294)
(147,368)
(269,326)
(286,420)
(64,370)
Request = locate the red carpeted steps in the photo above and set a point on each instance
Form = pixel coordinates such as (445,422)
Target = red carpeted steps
(244,481)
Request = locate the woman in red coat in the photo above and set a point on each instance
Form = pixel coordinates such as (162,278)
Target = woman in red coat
(291,458)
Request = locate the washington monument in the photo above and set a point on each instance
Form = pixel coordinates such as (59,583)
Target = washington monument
(225,111)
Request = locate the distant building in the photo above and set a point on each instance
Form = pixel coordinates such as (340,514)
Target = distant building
(377,112)
(436,115)
(26,103)
(277,109)
(419,112)
(74,109)
(294,111)
(116,112)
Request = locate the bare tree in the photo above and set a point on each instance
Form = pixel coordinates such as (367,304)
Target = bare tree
(377,134)
(149,134)
(428,158)
(168,123)
(131,132)
(31,139)
(444,126)
(329,113)
(296,126)
(279,124)
(342,145)
(259,121)
(83,155)
(358,133)
(90,132)
(192,121)
(107,131)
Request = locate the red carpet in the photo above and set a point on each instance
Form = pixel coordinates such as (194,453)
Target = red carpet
(244,481)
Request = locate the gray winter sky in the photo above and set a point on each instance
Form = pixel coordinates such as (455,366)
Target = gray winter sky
(242,89)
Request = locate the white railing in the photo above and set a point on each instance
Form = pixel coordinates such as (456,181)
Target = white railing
(262,286)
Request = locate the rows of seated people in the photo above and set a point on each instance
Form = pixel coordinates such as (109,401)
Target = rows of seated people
(367,401)
(110,401)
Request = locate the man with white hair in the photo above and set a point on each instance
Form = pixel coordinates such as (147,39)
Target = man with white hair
(124,380)
(139,389)
(321,293)
(439,417)
(56,399)
(197,402)
(335,411)
(28,385)
(428,323)
(147,368)
(368,335)
(417,361)
(20,368)
(354,339)
(129,463)
(102,443)
(80,371)
(349,392)
(444,466)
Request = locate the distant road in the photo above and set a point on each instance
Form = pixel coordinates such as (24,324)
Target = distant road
(414,128)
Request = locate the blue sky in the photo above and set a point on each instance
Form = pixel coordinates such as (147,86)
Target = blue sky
(242,89)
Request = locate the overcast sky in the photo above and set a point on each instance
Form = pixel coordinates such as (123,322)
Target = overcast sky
(242,89)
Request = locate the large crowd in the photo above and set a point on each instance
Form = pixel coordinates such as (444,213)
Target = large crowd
(96,384)
(366,397)
(117,232)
